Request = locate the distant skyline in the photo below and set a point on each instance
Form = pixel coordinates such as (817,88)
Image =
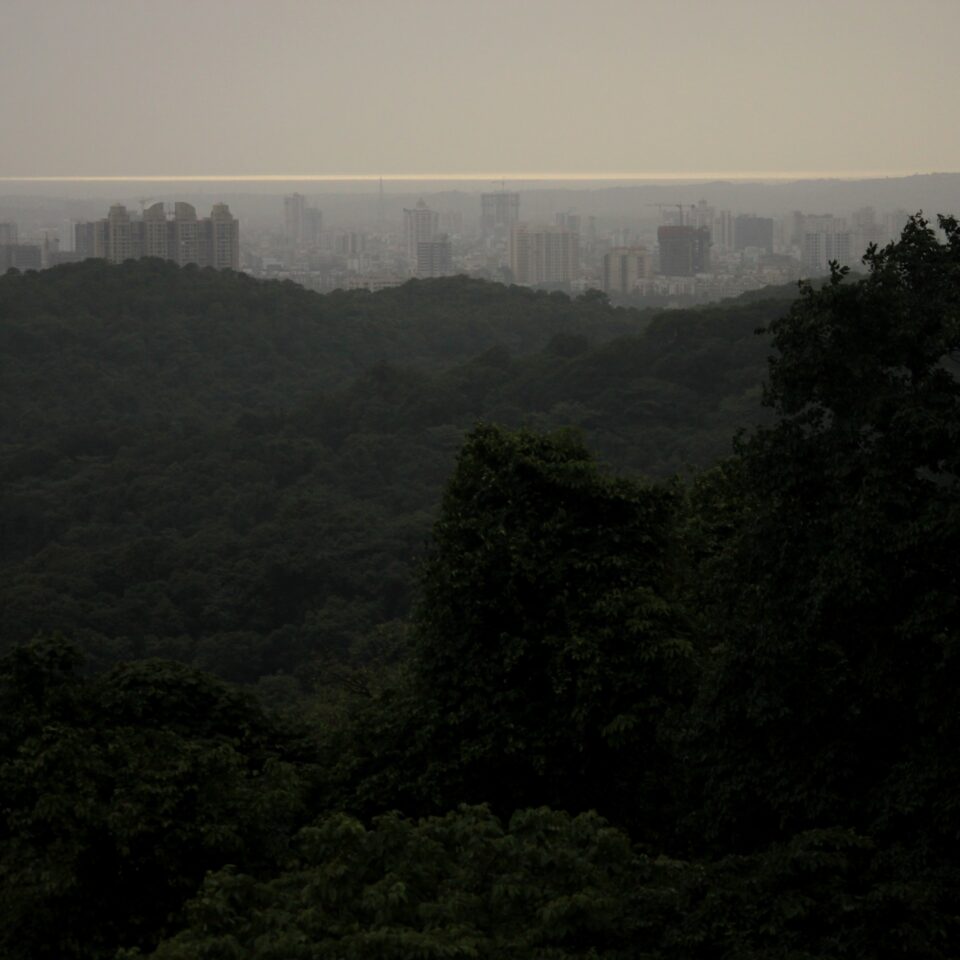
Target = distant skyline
(147,90)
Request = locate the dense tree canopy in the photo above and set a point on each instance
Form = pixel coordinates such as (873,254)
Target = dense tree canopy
(462,885)
(837,667)
(549,648)
(242,475)
(121,790)
(734,691)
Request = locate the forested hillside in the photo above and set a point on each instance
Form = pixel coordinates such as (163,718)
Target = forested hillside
(617,717)
(242,475)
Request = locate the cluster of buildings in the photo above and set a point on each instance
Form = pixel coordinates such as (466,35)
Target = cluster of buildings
(180,236)
(429,252)
(682,253)
(27,256)
(703,254)
(20,256)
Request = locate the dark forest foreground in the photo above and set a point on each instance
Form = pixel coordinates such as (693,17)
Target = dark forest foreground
(664,718)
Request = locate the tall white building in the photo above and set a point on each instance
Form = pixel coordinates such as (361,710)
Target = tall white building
(723,231)
(121,237)
(221,238)
(156,233)
(825,238)
(185,234)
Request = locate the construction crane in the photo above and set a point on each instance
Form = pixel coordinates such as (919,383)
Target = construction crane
(679,207)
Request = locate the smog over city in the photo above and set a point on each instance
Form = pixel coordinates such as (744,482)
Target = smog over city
(479,479)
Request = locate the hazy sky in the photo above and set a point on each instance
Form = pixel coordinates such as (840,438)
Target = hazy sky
(227,87)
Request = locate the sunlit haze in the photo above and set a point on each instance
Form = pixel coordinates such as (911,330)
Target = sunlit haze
(545,89)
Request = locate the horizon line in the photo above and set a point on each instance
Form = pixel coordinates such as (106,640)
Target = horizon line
(493,177)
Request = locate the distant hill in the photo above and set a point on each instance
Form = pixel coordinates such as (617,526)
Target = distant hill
(242,474)
(261,204)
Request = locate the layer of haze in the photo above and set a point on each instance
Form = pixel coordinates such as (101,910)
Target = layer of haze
(246,87)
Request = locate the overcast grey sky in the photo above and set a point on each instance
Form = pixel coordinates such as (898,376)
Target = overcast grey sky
(228,87)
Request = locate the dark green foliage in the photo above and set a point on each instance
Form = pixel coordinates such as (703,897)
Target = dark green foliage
(549,885)
(462,885)
(752,676)
(548,650)
(120,791)
(816,895)
(242,475)
(832,695)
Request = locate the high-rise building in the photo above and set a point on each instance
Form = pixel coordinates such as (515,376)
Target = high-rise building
(866,229)
(825,238)
(20,256)
(185,234)
(723,230)
(750,231)
(350,244)
(220,233)
(293,207)
(156,233)
(419,224)
(301,222)
(89,238)
(122,239)
(8,234)
(700,214)
(498,213)
(540,254)
(568,220)
(623,267)
(49,249)
(213,241)
(822,246)
(434,257)
(893,224)
(796,228)
(684,250)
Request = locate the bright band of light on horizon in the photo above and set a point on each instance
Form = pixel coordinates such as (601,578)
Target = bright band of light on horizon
(492,177)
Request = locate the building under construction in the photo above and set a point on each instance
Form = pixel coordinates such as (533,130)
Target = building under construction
(498,213)
(684,250)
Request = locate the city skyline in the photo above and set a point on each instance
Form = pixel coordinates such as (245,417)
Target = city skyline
(633,245)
